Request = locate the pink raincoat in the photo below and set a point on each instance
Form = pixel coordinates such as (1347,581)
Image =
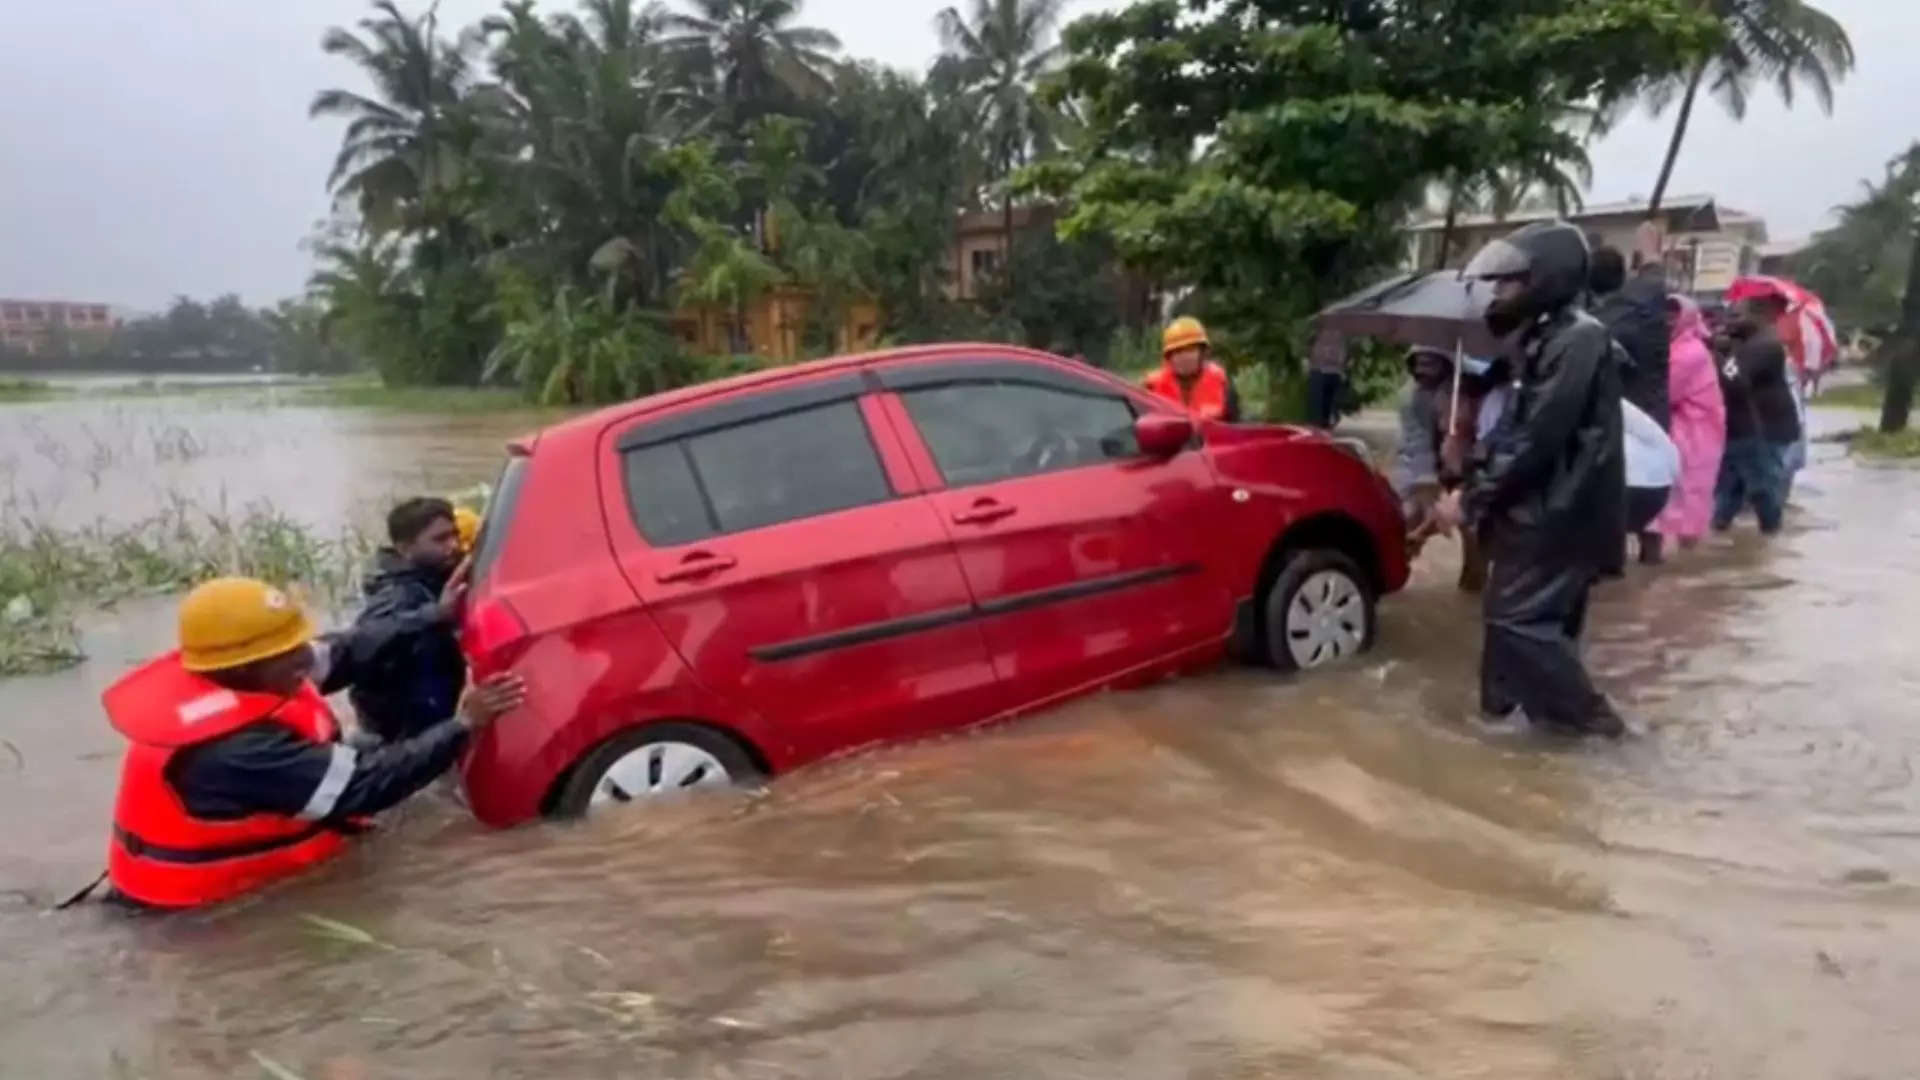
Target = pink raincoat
(1699,425)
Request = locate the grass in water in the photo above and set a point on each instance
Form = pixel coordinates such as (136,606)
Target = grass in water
(1859,396)
(24,390)
(47,570)
(1873,442)
(363,393)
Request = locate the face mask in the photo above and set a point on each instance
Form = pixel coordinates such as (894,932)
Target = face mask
(1505,316)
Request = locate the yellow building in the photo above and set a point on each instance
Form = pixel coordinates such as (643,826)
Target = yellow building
(775,323)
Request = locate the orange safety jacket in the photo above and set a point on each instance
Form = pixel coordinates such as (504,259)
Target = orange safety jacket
(1205,397)
(160,854)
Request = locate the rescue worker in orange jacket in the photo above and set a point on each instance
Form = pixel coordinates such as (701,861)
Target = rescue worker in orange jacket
(236,776)
(1188,375)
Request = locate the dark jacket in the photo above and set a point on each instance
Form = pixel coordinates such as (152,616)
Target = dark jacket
(266,767)
(1753,380)
(409,668)
(1551,481)
(1636,316)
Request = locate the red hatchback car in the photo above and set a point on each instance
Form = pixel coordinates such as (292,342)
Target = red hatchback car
(731,580)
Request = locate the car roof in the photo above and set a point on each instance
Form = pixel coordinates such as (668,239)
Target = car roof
(599,418)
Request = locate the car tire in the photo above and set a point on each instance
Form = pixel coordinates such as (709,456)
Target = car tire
(1320,611)
(653,762)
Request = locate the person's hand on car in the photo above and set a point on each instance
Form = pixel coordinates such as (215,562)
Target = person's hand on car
(492,697)
(454,594)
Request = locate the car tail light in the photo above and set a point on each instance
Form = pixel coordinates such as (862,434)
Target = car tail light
(492,633)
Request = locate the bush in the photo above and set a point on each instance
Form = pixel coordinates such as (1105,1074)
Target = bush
(1134,351)
(573,349)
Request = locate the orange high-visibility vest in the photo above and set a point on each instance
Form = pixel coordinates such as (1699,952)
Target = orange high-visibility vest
(160,854)
(1205,397)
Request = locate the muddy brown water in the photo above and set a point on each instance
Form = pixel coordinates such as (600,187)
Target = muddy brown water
(1223,877)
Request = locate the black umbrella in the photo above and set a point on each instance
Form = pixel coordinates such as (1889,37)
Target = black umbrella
(1438,310)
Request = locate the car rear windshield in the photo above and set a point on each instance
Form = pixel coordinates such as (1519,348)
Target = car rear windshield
(774,469)
(493,531)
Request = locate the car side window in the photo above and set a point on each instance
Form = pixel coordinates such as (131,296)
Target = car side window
(779,468)
(983,431)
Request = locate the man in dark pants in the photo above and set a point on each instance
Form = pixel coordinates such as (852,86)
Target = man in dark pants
(1762,419)
(1549,497)
(1326,379)
(1633,308)
(412,672)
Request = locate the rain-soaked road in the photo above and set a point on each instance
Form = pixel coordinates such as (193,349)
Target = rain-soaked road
(1224,877)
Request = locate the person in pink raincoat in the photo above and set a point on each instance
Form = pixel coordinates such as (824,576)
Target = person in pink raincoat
(1698,427)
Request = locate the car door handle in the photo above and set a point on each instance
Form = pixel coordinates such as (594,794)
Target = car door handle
(696,566)
(983,512)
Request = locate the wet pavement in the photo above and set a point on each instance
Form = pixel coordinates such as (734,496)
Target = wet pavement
(1230,876)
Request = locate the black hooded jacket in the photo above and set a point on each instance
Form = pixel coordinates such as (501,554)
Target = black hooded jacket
(412,671)
(1636,315)
(1551,481)
(1554,478)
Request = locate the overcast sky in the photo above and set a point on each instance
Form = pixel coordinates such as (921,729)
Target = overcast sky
(158,148)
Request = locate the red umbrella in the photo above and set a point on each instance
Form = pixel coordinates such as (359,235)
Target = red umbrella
(1805,330)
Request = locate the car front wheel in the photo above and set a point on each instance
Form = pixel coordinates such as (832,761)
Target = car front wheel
(654,762)
(1319,612)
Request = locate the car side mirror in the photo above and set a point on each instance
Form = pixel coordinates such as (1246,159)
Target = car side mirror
(1162,435)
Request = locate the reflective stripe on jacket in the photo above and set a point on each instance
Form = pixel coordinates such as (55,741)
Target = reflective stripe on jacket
(163,856)
(1205,397)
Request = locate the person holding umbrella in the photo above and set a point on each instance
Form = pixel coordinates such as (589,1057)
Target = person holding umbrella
(1445,412)
(1549,497)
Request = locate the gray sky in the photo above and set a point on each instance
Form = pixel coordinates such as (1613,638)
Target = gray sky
(155,149)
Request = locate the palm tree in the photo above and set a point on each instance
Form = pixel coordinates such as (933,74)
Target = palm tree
(998,52)
(583,126)
(401,145)
(1788,42)
(752,52)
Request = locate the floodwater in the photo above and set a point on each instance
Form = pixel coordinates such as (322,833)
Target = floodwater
(1224,877)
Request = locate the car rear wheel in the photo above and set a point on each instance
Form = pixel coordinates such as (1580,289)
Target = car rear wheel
(1319,611)
(653,762)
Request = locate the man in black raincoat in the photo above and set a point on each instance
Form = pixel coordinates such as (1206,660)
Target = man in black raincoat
(1549,497)
(411,672)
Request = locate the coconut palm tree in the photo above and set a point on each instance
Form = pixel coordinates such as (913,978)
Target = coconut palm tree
(581,124)
(1790,43)
(998,52)
(402,144)
(752,52)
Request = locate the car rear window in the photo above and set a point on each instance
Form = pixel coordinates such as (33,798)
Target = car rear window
(500,508)
(763,472)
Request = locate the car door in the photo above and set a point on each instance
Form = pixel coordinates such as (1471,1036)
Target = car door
(1087,559)
(784,549)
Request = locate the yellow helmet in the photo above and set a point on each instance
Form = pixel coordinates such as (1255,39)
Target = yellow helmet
(1181,333)
(227,622)
(467,524)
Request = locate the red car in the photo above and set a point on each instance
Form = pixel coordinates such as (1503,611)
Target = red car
(731,580)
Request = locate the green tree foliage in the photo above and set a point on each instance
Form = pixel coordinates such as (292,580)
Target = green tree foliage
(996,55)
(1859,266)
(750,56)
(221,336)
(1063,299)
(1266,152)
(581,347)
(1789,43)
(544,175)
(408,143)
